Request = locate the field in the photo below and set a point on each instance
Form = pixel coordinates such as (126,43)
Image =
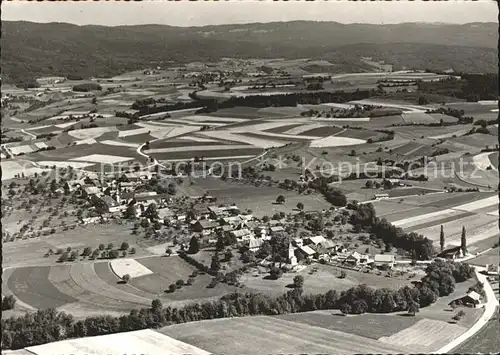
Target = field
(321,281)
(141,341)
(491,257)
(485,341)
(260,337)
(261,200)
(425,215)
(370,325)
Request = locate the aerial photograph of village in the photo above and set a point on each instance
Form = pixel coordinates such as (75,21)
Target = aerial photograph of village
(249,178)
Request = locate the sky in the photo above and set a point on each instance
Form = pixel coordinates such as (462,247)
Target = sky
(185,13)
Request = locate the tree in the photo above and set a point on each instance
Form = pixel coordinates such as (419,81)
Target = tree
(172,287)
(194,245)
(298,281)
(276,273)
(73,256)
(95,254)
(132,251)
(179,283)
(280,199)
(87,251)
(463,244)
(422,100)
(156,306)
(101,246)
(151,211)
(8,302)
(228,255)
(413,308)
(300,206)
(126,278)
(64,257)
(219,246)
(110,246)
(130,212)
(168,251)
(215,265)
(113,254)
(345,308)
(124,246)
(369,184)
(441,238)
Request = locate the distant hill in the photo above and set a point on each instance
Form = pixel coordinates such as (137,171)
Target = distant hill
(31,49)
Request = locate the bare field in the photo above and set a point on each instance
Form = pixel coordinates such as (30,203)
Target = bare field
(31,286)
(272,335)
(426,335)
(368,325)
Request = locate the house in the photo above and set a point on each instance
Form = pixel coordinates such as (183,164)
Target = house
(113,206)
(255,244)
(89,190)
(327,245)
(384,259)
(204,226)
(306,252)
(353,259)
(471,299)
(356,258)
(452,253)
(276,230)
(315,240)
(127,186)
(242,234)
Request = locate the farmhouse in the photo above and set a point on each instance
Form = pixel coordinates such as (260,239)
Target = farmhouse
(315,240)
(204,226)
(276,230)
(471,299)
(306,252)
(452,253)
(380,260)
(241,234)
(111,204)
(356,258)
(255,244)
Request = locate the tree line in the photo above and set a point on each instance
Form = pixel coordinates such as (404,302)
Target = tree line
(365,218)
(50,325)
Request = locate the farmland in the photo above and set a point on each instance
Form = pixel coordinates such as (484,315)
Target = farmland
(294,337)
(97,222)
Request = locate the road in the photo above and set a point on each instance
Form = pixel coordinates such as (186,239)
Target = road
(489,311)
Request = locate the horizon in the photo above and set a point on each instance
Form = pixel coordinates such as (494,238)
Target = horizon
(201,14)
(254,23)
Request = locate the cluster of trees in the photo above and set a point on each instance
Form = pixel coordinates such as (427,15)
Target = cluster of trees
(150,106)
(86,87)
(292,99)
(481,130)
(332,195)
(440,151)
(472,87)
(8,302)
(364,218)
(49,325)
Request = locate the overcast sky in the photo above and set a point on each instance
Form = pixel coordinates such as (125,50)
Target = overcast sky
(199,13)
